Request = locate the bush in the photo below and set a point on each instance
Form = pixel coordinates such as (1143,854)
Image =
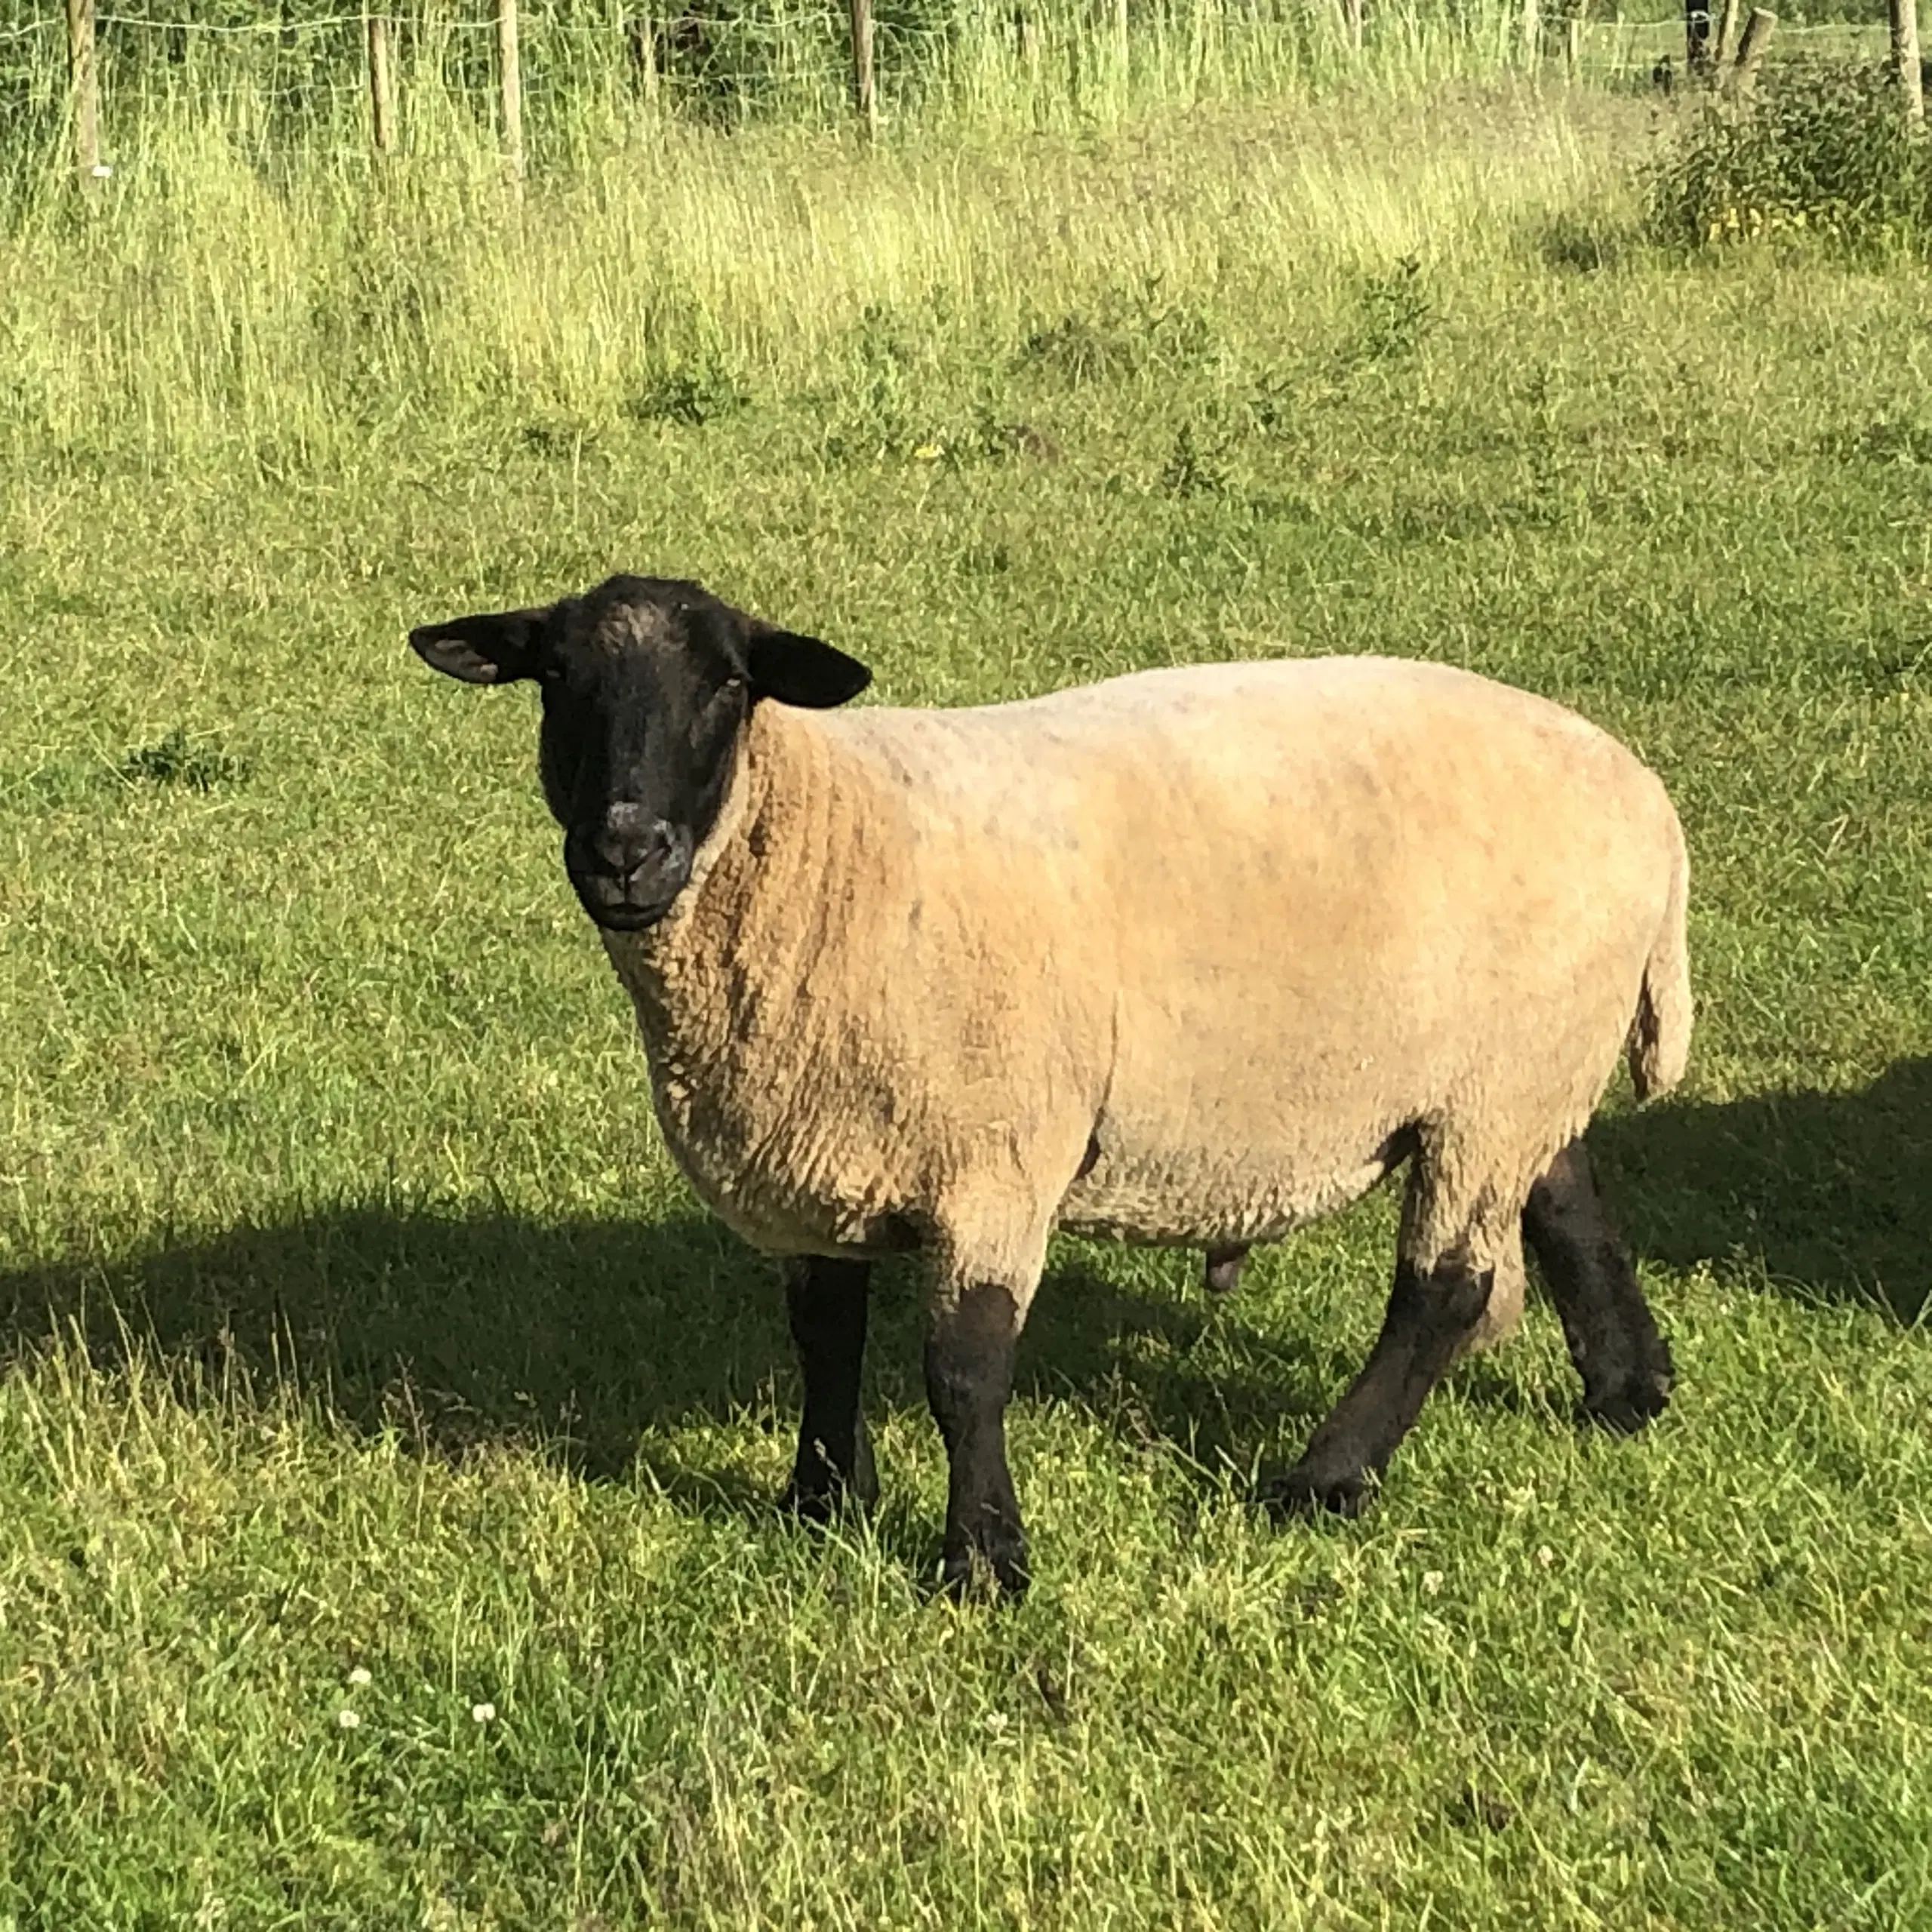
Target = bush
(1820,148)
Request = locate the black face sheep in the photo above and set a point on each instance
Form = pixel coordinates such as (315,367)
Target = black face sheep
(943,980)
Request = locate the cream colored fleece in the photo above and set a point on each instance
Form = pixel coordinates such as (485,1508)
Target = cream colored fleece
(1188,957)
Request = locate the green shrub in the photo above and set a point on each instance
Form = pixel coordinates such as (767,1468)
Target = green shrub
(1820,148)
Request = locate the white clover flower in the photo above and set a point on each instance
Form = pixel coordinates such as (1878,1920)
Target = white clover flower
(1431,1582)
(347,1719)
(1546,1556)
(359,1676)
(482,1713)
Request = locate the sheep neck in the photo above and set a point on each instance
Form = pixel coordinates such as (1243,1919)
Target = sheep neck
(722,986)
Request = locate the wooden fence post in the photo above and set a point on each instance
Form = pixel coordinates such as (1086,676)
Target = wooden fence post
(1572,45)
(865,97)
(1352,24)
(1120,36)
(382,101)
(85,87)
(642,35)
(1724,47)
(510,67)
(1026,30)
(1905,60)
(1751,50)
(1532,32)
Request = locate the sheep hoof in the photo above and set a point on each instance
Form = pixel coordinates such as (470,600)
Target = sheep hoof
(1625,1410)
(1303,1493)
(809,1505)
(817,1491)
(973,1574)
(820,1506)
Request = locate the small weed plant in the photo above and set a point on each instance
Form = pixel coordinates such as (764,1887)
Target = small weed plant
(178,759)
(1396,313)
(692,393)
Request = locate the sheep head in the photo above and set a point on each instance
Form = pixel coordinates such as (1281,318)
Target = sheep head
(647,683)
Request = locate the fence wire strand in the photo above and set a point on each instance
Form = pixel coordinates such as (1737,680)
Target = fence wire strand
(310,77)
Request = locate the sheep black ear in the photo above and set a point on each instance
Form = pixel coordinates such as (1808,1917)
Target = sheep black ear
(497,647)
(803,671)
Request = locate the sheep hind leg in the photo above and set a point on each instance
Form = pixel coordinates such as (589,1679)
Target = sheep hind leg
(826,1301)
(1625,1363)
(1222,1272)
(1433,1313)
(969,1378)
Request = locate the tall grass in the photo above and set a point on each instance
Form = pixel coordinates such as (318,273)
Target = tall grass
(207,303)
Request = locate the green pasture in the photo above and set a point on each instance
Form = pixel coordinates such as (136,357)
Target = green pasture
(388,1445)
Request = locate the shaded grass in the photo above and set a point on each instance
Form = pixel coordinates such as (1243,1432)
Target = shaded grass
(352,1316)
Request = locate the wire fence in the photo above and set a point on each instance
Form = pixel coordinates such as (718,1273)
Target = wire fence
(292,82)
(710,62)
(289,83)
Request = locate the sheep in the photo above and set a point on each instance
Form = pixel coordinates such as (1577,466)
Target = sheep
(1191,957)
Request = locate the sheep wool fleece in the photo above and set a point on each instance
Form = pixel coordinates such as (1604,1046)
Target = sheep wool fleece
(1192,956)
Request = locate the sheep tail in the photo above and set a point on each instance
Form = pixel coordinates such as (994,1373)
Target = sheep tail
(1659,1043)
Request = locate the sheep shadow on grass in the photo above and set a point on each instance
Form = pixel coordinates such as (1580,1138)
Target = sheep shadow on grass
(577,1337)
(582,1337)
(457,1330)
(1824,1196)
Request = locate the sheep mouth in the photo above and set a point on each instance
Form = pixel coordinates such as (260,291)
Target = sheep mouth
(624,905)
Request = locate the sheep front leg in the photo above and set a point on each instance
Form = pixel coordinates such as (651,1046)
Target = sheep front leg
(1433,1311)
(969,1378)
(827,1301)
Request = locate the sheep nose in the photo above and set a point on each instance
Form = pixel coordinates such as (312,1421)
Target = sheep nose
(632,837)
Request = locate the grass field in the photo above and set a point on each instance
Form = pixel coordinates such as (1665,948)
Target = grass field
(388,1445)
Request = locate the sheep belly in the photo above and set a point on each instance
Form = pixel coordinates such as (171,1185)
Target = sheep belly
(1200,1197)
